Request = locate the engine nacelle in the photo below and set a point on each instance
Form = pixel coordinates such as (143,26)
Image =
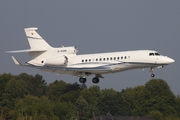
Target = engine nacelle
(57,61)
(67,50)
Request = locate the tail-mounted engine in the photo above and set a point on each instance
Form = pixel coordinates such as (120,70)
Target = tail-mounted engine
(57,61)
(67,50)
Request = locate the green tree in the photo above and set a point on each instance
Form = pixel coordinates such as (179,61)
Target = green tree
(136,97)
(71,96)
(56,89)
(81,108)
(64,111)
(26,106)
(92,96)
(14,89)
(25,77)
(178,105)
(113,103)
(4,78)
(45,106)
(155,114)
(96,92)
(36,85)
(32,107)
(83,86)
(107,102)
(96,96)
(72,87)
(161,97)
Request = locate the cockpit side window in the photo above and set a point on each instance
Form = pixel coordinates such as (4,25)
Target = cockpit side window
(151,54)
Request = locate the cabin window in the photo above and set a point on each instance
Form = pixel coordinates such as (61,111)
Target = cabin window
(121,58)
(118,58)
(125,57)
(111,58)
(114,58)
(100,59)
(107,59)
(96,59)
(104,59)
(82,60)
(86,60)
(89,60)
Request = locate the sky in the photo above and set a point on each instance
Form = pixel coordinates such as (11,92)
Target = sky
(95,26)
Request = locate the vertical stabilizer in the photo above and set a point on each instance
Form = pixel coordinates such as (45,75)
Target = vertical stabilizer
(35,40)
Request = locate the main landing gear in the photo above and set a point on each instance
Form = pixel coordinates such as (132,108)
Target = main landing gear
(151,70)
(82,80)
(94,80)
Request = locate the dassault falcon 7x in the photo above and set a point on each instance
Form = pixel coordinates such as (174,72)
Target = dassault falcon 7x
(64,60)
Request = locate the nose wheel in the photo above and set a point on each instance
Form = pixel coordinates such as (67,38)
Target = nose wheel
(152,75)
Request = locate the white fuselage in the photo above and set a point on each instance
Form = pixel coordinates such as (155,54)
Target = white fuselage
(103,63)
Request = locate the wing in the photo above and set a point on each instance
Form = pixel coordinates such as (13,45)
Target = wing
(77,71)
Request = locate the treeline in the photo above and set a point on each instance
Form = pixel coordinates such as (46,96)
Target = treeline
(27,97)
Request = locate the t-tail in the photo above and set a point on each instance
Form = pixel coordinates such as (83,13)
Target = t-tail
(37,44)
(40,50)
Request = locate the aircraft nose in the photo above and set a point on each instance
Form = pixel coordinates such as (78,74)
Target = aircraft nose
(170,60)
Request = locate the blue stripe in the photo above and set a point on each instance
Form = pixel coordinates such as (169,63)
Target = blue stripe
(115,63)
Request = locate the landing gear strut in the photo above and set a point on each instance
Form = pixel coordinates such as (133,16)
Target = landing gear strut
(151,70)
(95,80)
(82,80)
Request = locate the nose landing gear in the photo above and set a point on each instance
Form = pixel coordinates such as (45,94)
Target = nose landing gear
(151,70)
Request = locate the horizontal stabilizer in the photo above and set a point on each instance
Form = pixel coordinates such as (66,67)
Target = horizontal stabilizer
(16,61)
(28,50)
(31,29)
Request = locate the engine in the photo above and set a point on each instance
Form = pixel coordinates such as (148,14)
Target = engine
(57,61)
(67,50)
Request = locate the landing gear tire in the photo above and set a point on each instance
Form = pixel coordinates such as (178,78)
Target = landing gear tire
(152,75)
(82,80)
(95,80)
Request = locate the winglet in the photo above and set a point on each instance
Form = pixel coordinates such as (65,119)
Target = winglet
(16,61)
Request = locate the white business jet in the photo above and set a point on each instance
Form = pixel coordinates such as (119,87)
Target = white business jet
(64,60)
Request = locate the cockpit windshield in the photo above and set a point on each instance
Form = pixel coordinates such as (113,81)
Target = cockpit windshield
(157,54)
(154,54)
